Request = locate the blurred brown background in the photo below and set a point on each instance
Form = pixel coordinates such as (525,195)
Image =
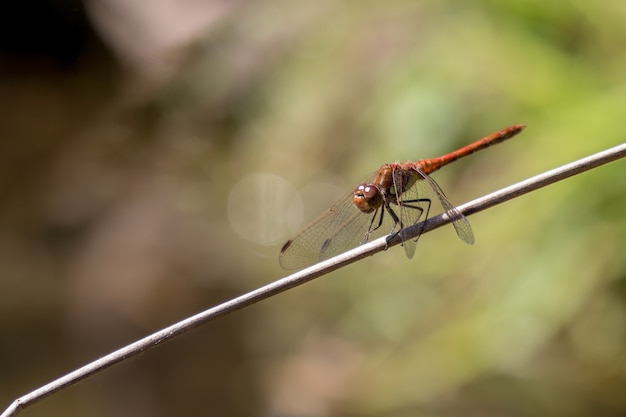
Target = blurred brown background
(154,156)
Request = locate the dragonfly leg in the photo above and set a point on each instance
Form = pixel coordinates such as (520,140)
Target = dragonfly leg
(409,205)
(370,229)
(396,222)
(427,201)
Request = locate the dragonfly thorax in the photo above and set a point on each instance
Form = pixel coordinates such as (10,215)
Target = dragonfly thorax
(367,198)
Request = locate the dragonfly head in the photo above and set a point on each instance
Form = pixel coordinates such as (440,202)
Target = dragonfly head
(367,198)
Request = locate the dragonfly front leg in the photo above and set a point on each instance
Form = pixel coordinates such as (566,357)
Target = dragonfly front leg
(370,230)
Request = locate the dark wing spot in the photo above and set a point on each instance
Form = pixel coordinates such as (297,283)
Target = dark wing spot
(325,245)
(286,246)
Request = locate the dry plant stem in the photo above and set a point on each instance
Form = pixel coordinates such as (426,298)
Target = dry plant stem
(311,273)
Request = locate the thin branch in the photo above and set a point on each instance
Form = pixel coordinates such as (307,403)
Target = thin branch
(311,273)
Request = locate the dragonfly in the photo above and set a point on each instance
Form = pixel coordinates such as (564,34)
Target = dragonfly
(397,196)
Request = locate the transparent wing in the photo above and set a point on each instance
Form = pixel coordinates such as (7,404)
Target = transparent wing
(340,228)
(413,206)
(459,221)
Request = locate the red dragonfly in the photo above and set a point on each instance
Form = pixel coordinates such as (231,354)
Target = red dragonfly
(396,197)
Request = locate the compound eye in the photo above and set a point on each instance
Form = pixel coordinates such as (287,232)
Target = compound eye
(369,191)
(367,198)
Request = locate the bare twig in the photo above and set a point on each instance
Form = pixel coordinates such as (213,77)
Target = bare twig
(311,273)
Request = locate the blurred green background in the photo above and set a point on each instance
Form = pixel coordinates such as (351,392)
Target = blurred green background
(154,157)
